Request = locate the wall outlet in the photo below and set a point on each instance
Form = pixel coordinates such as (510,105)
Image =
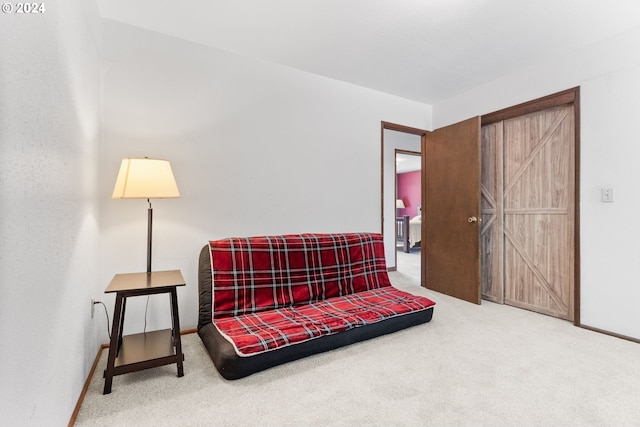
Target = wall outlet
(607,195)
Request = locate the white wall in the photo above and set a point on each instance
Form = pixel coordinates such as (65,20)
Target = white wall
(256,148)
(393,140)
(49,88)
(608,75)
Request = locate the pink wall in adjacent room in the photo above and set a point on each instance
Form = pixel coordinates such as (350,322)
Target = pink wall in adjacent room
(409,190)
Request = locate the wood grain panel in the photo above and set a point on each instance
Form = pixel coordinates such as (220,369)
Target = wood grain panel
(492,213)
(539,211)
(528,191)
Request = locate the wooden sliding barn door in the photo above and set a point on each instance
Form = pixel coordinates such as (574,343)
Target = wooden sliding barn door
(528,211)
(492,213)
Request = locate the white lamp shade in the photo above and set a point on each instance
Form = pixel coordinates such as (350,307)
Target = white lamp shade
(399,204)
(145,179)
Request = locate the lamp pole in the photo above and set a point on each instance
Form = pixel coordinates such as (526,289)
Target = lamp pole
(149,228)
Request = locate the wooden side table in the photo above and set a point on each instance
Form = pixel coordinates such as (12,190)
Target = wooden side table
(144,350)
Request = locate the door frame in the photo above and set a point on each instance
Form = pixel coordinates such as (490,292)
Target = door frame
(398,128)
(560,98)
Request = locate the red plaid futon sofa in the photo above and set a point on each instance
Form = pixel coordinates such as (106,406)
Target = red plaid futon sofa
(273,299)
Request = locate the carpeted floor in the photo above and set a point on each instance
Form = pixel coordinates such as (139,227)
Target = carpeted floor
(409,263)
(486,365)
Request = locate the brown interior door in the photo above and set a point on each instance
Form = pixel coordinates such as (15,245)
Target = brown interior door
(451,210)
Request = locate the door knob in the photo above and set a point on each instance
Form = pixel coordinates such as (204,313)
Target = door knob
(472,219)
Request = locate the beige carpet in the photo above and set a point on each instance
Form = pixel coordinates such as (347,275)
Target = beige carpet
(487,365)
(409,263)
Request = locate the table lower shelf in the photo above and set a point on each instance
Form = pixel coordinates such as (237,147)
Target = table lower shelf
(146,350)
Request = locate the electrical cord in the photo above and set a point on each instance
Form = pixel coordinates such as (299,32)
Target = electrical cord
(146,307)
(107,314)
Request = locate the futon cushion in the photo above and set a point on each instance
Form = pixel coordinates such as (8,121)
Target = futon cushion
(254,274)
(258,332)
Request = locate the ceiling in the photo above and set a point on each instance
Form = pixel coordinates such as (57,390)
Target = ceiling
(408,163)
(425,50)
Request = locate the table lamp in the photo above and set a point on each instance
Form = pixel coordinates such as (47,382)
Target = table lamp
(145,179)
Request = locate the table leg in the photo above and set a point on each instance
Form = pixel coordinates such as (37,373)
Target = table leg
(121,329)
(176,331)
(116,337)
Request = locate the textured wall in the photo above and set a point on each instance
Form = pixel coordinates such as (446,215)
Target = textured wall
(49,82)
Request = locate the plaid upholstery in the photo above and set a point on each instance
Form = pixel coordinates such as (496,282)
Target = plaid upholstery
(252,274)
(274,291)
(268,330)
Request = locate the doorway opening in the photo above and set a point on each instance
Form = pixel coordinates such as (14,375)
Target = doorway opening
(397,140)
(408,184)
